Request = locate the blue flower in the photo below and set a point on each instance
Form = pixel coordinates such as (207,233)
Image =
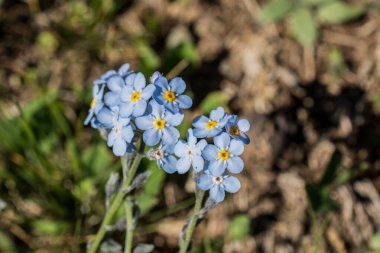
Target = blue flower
(237,128)
(165,158)
(115,84)
(135,95)
(158,125)
(96,103)
(154,76)
(218,185)
(123,71)
(224,155)
(210,127)
(170,94)
(121,134)
(190,153)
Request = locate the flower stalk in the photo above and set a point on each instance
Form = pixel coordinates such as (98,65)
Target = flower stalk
(193,221)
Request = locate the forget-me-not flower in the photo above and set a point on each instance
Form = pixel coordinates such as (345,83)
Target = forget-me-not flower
(218,185)
(190,153)
(135,95)
(237,128)
(210,127)
(170,94)
(159,124)
(121,136)
(96,103)
(154,76)
(115,84)
(164,157)
(224,154)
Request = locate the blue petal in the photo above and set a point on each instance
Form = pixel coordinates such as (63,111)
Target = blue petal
(123,70)
(200,133)
(200,122)
(124,121)
(172,107)
(157,96)
(184,102)
(127,133)
(213,132)
(119,147)
(111,138)
(162,82)
(191,139)
(180,148)
(170,135)
(222,141)
(217,193)
(236,147)
(235,164)
(154,76)
(112,98)
(91,113)
(201,144)
(130,79)
(217,114)
(204,182)
(169,165)
(157,110)
(174,119)
(244,138)
(105,117)
(148,92)
(151,137)
(177,85)
(108,74)
(243,125)
(126,93)
(198,163)
(144,122)
(139,82)
(115,83)
(139,108)
(126,109)
(231,184)
(183,165)
(217,168)
(210,152)
(232,119)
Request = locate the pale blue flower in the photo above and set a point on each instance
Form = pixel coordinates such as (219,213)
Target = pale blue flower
(159,124)
(121,136)
(224,154)
(218,185)
(96,103)
(165,158)
(190,153)
(237,128)
(115,84)
(210,127)
(170,94)
(135,96)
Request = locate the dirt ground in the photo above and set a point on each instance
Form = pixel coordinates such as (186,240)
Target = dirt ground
(303,106)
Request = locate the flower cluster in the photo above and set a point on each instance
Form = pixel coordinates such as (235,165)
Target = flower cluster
(126,106)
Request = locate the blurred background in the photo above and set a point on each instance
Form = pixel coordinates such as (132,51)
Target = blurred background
(305,73)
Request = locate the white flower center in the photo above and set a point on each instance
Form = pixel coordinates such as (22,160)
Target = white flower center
(217,180)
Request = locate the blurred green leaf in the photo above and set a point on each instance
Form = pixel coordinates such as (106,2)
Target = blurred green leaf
(97,160)
(6,244)
(84,189)
(149,58)
(374,244)
(49,227)
(213,100)
(304,27)
(338,12)
(330,172)
(316,2)
(239,227)
(276,10)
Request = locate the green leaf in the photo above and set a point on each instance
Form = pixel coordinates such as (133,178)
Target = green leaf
(316,2)
(239,227)
(339,12)
(276,10)
(374,244)
(6,244)
(49,227)
(213,100)
(304,27)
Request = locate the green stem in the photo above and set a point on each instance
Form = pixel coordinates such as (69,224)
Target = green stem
(130,226)
(193,222)
(118,199)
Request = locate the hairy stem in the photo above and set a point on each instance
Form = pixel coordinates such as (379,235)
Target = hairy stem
(193,221)
(118,199)
(130,224)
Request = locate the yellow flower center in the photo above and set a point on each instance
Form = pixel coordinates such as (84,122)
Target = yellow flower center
(159,123)
(224,155)
(93,103)
(234,130)
(169,96)
(211,124)
(135,96)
